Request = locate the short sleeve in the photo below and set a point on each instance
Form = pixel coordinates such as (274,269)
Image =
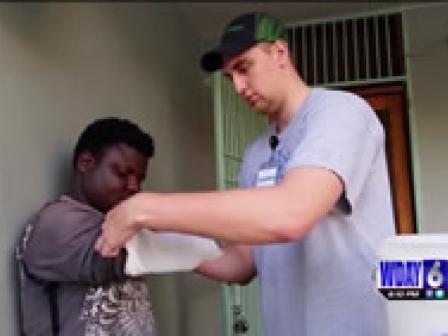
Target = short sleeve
(343,137)
(62,248)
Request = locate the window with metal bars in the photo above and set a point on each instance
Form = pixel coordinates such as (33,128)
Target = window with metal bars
(346,50)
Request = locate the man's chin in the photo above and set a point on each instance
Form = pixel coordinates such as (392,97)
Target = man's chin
(260,109)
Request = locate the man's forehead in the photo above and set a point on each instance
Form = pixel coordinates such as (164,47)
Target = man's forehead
(230,63)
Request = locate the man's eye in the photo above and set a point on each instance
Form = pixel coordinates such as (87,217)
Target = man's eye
(242,69)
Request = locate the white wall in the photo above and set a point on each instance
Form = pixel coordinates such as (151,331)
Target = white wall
(63,65)
(427,32)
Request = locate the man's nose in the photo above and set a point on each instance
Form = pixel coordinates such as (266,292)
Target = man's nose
(239,84)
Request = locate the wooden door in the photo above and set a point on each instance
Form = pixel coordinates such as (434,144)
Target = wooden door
(389,104)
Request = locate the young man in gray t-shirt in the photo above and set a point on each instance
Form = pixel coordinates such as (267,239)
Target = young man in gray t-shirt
(322,284)
(314,203)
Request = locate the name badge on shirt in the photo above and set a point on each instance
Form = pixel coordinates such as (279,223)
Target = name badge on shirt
(266,177)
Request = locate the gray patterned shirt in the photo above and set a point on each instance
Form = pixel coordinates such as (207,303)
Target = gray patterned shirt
(94,297)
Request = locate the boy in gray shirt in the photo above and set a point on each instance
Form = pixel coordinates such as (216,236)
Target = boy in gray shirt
(67,288)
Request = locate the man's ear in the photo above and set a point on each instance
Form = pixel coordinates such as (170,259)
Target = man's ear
(85,162)
(281,50)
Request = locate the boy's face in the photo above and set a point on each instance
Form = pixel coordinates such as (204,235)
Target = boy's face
(116,175)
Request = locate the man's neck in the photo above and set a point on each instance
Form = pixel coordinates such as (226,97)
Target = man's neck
(297,92)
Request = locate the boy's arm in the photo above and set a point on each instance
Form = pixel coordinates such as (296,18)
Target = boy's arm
(61,248)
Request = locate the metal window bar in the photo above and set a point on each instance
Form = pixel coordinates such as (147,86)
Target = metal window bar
(377,47)
(355,47)
(366,48)
(345,48)
(324,51)
(335,54)
(313,36)
(304,58)
(388,45)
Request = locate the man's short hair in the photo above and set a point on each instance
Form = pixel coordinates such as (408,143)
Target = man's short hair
(106,132)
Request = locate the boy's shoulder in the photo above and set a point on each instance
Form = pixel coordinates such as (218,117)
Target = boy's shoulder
(65,211)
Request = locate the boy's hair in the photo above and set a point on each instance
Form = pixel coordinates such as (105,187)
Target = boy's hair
(105,132)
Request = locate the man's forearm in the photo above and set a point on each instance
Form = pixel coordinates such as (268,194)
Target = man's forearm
(282,213)
(241,216)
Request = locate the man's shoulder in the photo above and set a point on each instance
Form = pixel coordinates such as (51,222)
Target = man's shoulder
(337,107)
(337,97)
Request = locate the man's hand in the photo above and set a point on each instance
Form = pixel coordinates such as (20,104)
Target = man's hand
(119,226)
(236,265)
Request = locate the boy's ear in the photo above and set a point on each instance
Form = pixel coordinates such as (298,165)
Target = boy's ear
(86,162)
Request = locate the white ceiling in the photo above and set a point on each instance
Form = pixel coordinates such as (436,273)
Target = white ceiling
(209,18)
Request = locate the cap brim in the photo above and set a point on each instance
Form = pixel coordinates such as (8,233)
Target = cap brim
(211,61)
(214,59)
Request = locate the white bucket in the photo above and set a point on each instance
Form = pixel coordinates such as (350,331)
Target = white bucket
(413,276)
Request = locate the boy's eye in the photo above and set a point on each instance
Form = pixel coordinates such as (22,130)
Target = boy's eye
(121,173)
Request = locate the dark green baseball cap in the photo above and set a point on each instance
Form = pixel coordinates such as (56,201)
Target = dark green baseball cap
(242,33)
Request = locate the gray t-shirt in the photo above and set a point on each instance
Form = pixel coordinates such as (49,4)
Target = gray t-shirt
(322,284)
(93,296)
